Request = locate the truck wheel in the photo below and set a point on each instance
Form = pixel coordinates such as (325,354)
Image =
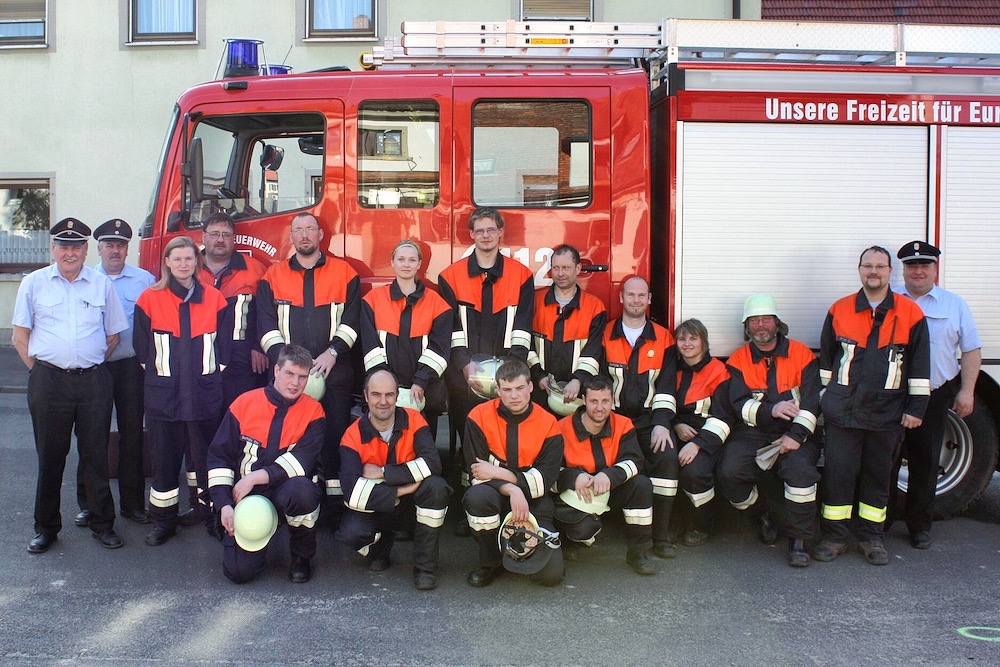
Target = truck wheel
(968,459)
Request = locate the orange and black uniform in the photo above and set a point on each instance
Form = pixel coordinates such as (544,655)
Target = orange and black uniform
(567,340)
(409,456)
(759,380)
(262,430)
(701,393)
(237,282)
(640,393)
(411,336)
(875,363)
(177,341)
(493,309)
(530,445)
(615,452)
(319,309)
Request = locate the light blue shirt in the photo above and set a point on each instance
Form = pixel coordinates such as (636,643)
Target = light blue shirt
(951,328)
(128,284)
(69,321)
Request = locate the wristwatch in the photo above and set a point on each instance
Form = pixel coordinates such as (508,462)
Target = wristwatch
(332,351)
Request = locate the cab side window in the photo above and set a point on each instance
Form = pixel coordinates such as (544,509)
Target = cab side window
(531,153)
(259,164)
(398,154)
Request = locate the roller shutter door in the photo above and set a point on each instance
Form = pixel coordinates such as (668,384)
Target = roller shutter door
(786,209)
(970,230)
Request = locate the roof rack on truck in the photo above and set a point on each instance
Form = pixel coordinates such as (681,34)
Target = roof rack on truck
(523,44)
(897,44)
(517,44)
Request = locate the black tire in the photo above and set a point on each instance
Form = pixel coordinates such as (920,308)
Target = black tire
(968,460)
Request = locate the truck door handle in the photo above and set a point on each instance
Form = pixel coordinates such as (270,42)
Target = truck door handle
(594,268)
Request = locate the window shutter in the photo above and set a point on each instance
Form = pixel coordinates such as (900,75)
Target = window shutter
(557,10)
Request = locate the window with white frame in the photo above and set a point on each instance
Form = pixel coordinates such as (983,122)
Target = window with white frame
(163,20)
(341,19)
(25,218)
(23,23)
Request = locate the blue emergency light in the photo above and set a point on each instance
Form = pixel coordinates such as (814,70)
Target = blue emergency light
(241,57)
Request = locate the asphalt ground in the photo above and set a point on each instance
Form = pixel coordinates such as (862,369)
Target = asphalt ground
(733,601)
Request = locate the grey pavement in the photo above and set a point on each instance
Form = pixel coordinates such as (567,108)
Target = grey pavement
(13,373)
(730,602)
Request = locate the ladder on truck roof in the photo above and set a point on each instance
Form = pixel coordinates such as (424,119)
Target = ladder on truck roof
(592,44)
(516,44)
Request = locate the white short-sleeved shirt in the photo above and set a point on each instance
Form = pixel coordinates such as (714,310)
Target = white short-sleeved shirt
(951,328)
(69,321)
(128,284)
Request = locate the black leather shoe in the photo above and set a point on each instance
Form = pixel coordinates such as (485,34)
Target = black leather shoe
(797,554)
(192,517)
(767,529)
(424,580)
(484,576)
(159,535)
(108,538)
(378,564)
(402,535)
(664,550)
(695,537)
(639,560)
(300,571)
(41,542)
(82,519)
(920,540)
(137,516)
(827,551)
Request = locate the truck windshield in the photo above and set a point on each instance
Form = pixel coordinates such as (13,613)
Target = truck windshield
(260,164)
(147,224)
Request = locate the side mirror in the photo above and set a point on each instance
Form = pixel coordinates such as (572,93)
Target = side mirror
(196,162)
(271,157)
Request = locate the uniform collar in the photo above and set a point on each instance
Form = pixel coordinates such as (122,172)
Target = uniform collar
(396,294)
(236,262)
(54,273)
(781,350)
(582,434)
(618,330)
(705,361)
(496,271)
(181,292)
(400,422)
(510,417)
(861,302)
(550,298)
(277,399)
(293,262)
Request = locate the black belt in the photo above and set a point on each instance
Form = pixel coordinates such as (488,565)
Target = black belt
(68,371)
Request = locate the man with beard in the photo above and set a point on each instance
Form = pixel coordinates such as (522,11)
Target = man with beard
(774,399)
(236,275)
(314,300)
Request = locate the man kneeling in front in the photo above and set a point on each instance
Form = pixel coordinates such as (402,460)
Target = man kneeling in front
(267,445)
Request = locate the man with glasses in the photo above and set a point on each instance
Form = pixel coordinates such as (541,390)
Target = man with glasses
(950,327)
(493,300)
(236,275)
(314,300)
(773,404)
(875,364)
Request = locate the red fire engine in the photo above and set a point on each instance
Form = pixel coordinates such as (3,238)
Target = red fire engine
(720,158)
